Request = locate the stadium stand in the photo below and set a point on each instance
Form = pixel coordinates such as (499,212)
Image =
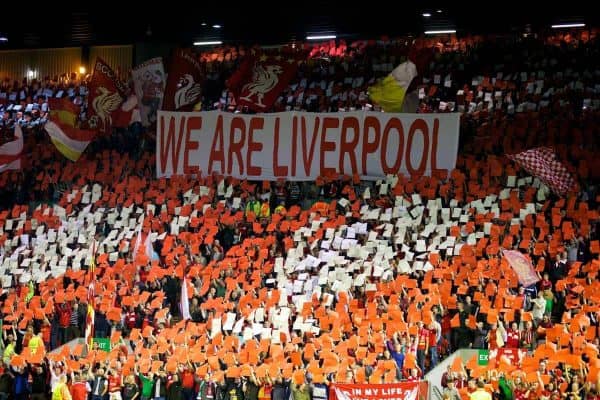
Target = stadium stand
(292,286)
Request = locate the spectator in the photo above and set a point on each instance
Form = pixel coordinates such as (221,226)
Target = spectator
(80,387)
(130,389)
(481,393)
(61,391)
(99,386)
(174,390)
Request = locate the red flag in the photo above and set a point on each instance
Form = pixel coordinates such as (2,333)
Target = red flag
(269,76)
(184,88)
(541,162)
(107,93)
(241,75)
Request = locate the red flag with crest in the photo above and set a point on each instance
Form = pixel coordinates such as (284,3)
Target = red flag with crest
(266,79)
(183,90)
(106,94)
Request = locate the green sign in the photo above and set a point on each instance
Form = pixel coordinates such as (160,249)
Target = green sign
(103,343)
(483,357)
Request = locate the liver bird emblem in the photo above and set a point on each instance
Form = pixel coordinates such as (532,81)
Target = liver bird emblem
(263,81)
(105,103)
(188,91)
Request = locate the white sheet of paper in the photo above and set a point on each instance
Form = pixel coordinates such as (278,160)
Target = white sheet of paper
(259,315)
(511,181)
(215,327)
(229,321)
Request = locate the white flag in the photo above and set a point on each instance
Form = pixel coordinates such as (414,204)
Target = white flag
(148,246)
(185,301)
(138,239)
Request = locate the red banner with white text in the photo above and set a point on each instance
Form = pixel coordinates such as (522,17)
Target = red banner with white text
(386,391)
(304,146)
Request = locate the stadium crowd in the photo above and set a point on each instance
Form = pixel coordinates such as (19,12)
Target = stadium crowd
(293,285)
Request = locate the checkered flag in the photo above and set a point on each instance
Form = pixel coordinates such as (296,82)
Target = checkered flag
(541,162)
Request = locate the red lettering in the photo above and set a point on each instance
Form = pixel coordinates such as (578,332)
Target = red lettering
(235,147)
(278,170)
(370,147)
(255,124)
(421,126)
(328,123)
(294,143)
(307,159)
(217,153)
(170,143)
(393,123)
(193,123)
(349,147)
(435,171)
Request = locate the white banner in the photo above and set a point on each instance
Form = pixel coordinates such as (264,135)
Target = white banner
(303,146)
(149,84)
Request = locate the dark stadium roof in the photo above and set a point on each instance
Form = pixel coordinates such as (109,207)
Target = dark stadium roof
(266,21)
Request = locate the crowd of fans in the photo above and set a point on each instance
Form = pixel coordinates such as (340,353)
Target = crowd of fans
(292,285)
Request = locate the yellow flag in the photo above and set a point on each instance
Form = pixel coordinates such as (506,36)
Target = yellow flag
(389,93)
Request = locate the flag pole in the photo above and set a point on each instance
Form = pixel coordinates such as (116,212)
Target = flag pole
(91,313)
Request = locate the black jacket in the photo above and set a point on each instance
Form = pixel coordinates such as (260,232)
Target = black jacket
(175,392)
(162,388)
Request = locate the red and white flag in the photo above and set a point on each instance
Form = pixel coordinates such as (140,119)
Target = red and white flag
(149,84)
(183,90)
(10,152)
(106,94)
(264,81)
(522,267)
(541,162)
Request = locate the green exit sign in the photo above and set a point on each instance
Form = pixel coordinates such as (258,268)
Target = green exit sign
(103,343)
(483,357)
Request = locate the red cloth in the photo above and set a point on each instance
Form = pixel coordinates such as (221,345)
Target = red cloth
(187,379)
(107,93)
(512,339)
(423,338)
(114,383)
(183,90)
(79,391)
(263,83)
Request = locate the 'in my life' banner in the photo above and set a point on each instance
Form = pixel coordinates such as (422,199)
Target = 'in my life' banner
(303,146)
(386,391)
